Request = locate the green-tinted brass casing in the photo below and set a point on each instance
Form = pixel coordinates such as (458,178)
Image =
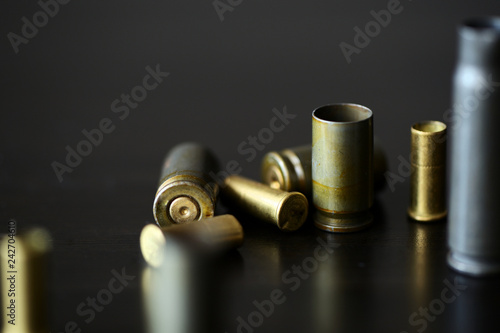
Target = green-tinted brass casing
(342,167)
(186,192)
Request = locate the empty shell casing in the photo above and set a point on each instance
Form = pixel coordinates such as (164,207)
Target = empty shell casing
(211,234)
(287,210)
(473,229)
(428,171)
(290,169)
(179,291)
(186,192)
(342,167)
(24,279)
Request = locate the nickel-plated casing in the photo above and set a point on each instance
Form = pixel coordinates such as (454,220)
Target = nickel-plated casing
(287,210)
(342,167)
(474,210)
(428,171)
(186,191)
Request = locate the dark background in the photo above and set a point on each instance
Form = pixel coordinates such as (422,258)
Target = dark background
(225,79)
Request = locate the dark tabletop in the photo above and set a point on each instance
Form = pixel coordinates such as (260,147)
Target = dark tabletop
(225,78)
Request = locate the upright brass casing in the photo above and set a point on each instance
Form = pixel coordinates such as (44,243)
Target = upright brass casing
(287,210)
(428,171)
(186,192)
(212,234)
(290,169)
(342,167)
(25,281)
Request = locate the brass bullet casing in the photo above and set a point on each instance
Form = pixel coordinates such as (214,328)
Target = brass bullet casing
(287,210)
(214,234)
(342,167)
(428,171)
(186,192)
(290,169)
(25,281)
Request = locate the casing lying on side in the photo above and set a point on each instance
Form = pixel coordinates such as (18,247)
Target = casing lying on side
(186,191)
(290,169)
(214,234)
(287,210)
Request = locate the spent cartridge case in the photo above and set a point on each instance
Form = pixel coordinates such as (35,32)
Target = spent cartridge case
(428,171)
(473,228)
(214,234)
(290,169)
(186,190)
(342,167)
(24,278)
(287,210)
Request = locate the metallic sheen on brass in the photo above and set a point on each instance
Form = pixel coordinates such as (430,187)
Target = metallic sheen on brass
(213,234)
(27,278)
(428,171)
(290,169)
(186,192)
(342,167)
(474,228)
(287,210)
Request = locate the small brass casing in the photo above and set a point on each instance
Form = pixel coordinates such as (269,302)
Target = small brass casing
(342,167)
(290,169)
(186,191)
(287,210)
(428,171)
(214,234)
(25,272)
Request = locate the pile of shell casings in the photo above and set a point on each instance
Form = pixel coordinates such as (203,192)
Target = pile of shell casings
(343,166)
(338,172)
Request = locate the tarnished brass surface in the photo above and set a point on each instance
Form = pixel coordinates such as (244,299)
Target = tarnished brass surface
(186,192)
(213,234)
(25,282)
(428,171)
(290,169)
(342,167)
(287,210)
